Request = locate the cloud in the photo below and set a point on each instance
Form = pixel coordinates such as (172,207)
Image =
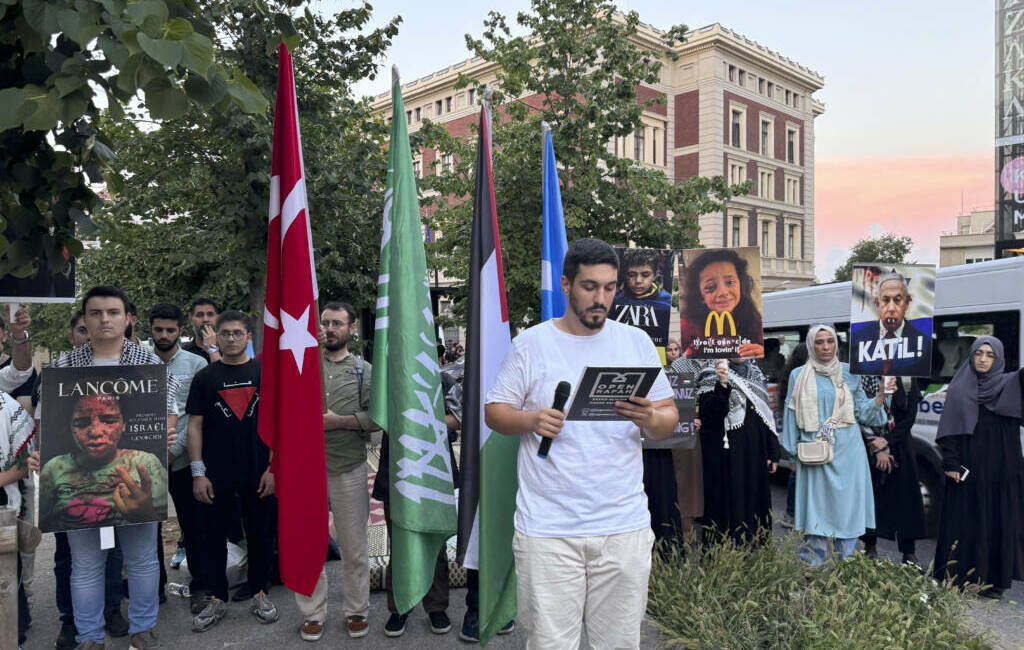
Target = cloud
(919,196)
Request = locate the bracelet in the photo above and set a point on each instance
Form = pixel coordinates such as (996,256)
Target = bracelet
(198,468)
(212,349)
(20,341)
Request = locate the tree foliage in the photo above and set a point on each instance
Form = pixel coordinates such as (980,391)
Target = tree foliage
(577,69)
(888,247)
(57,57)
(192,217)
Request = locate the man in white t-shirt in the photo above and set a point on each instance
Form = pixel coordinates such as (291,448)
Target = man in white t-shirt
(583,536)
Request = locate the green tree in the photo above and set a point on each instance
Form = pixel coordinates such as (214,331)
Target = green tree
(57,57)
(887,247)
(192,218)
(578,69)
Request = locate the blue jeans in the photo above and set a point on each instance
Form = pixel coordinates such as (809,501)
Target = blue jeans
(88,563)
(113,591)
(815,548)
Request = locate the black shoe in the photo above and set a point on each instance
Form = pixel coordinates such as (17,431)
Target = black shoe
(871,552)
(116,625)
(440,623)
(66,638)
(509,628)
(395,625)
(470,631)
(911,560)
(242,594)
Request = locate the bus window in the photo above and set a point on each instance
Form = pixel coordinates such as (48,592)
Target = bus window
(953,336)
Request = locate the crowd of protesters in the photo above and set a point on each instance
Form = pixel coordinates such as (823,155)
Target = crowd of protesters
(584,518)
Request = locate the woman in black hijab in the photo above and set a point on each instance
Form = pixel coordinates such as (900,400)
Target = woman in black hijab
(981,534)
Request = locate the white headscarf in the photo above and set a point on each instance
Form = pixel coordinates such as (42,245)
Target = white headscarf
(804,398)
(16,427)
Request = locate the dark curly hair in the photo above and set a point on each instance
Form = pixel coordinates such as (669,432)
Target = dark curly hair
(696,311)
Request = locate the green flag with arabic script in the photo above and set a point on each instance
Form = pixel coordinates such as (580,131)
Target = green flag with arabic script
(406,399)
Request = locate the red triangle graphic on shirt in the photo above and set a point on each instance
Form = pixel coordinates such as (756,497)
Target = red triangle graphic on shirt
(238,399)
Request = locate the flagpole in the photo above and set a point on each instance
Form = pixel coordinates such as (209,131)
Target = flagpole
(488,105)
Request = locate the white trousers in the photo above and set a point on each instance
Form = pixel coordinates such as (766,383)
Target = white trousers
(568,582)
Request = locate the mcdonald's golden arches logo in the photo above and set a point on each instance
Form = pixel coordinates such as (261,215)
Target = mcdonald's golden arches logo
(720,319)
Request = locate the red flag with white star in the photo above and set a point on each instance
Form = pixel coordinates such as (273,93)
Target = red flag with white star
(291,410)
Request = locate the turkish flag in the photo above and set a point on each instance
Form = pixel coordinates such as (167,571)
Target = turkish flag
(291,410)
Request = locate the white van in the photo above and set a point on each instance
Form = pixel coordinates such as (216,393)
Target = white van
(970,301)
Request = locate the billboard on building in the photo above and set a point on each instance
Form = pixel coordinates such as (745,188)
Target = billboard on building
(1009,124)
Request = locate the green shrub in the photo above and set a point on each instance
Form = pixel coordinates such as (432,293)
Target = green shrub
(738,597)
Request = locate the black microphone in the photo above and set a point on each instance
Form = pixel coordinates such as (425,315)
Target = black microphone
(561,397)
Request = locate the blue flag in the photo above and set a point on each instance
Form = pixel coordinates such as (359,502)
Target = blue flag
(552,300)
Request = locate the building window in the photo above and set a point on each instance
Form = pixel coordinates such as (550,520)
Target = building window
(766,138)
(737,173)
(408,116)
(654,145)
(793,191)
(792,146)
(736,130)
(437,108)
(447,104)
(771,89)
(417,169)
(447,163)
(791,242)
(472,96)
(760,86)
(737,223)
(419,114)
(638,145)
(788,95)
(796,100)
(732,73)
(766,184)
(765,240)
(742,78)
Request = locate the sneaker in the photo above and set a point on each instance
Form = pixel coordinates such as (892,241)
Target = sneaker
(116,625)
(215,610)
(470,631)
(311,631)
(509,628)
(358,626)
(144,641)
(395,625)
(178,558)
(440,623)
(66,637)
(264,610)
(90,645)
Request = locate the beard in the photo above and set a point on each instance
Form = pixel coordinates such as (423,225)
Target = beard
(333,345)
(582,314)
(164,345)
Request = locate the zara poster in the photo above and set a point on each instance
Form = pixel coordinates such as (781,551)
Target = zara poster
(891,319)
(104,447)
(644,295)
(720,304)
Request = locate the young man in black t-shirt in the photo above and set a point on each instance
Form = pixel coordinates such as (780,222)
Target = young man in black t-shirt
(230,464)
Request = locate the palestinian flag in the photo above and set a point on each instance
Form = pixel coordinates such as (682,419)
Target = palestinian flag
(487,500)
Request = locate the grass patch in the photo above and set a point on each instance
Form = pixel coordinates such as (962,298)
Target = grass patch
(738,597)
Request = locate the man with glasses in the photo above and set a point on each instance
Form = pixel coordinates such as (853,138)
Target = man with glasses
(347,427)
(230,464)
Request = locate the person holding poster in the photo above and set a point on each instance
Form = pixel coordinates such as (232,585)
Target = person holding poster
(106,318)
(891,320)
(720,304)
(834,501)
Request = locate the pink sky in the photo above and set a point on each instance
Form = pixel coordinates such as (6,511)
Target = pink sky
(856,197)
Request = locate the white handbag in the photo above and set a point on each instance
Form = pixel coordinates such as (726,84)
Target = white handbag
(822,449)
